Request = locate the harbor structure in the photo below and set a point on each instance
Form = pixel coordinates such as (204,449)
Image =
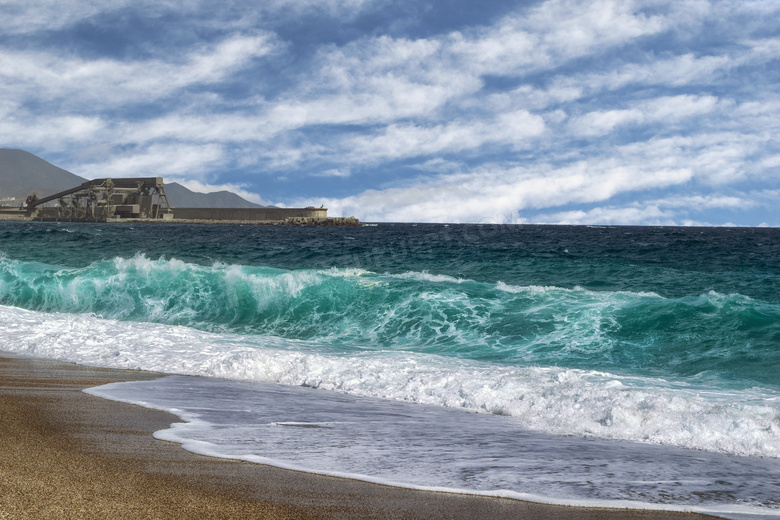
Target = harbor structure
(103,200)
(144,199)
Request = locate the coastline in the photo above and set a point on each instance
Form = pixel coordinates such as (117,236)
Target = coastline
(70,453)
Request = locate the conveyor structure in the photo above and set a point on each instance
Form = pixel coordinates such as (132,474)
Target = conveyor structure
(101,200)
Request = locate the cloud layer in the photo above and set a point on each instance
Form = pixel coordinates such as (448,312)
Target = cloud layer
(557,111)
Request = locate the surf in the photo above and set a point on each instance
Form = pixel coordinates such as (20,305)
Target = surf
(555,400)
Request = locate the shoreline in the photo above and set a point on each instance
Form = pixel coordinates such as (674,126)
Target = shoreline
(68,452)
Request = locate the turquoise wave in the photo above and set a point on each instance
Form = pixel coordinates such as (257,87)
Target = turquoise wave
(708,337)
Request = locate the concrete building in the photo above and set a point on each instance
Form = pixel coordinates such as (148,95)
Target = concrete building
(102,200)
(114,200)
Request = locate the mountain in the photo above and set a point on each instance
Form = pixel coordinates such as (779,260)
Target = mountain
(22,173)
(181,197)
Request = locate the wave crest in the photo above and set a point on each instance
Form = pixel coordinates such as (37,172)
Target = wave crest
(728,337)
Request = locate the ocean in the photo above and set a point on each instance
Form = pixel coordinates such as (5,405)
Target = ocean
(617,366)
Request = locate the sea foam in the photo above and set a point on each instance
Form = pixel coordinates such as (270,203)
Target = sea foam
(560,401)
(431,447)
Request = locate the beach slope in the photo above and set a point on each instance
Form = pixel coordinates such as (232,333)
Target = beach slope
(67,454)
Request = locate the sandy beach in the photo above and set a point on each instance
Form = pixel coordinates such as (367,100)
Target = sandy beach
(71,455)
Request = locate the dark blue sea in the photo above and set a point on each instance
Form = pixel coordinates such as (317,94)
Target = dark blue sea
(618,366)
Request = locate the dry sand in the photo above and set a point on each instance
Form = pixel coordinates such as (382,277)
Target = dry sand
(66,454)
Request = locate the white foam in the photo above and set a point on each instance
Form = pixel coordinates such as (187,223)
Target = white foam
(530,289)
(443,449)
(140,263)
(554,400)
(425,276)
(547,289)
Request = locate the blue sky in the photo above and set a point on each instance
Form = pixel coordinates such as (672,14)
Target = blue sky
(558,111)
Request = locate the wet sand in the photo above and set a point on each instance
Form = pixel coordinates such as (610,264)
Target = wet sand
(66,454)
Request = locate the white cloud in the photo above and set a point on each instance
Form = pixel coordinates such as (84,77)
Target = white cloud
(487,192)
(687,69)
(194,127)
(345,9)
(45,76)
(334,172)
(670,211)
(400,141)
(602,122)
(528,98)
(372,81)
(633,215)
(384,79)
(660,110)
(158,160)
(57,133)
(551,34)
(702,202)
(20,16)
(716,158)
(24,17)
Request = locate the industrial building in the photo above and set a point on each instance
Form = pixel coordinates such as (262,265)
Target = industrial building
(103,200)
(125,199)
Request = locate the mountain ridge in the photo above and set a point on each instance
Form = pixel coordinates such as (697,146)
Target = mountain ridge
(183,197)
(22,173)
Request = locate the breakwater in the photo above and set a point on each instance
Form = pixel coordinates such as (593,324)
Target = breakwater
(272,214)
(289,221)
(262,216)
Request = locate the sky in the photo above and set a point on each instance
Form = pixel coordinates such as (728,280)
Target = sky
(610,112)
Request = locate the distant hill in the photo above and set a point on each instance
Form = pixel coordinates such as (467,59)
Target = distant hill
(22,173)
(181,197)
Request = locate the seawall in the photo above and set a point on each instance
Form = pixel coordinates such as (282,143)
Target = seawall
(266,214)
